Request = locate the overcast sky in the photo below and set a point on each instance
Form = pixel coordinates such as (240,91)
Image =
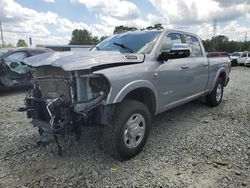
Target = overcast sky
(52,21)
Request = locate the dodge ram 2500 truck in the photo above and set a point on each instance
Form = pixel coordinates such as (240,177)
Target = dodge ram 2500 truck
(121,83)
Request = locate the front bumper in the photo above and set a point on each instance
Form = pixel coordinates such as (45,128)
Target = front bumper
(247,63)
(54,116)
(234,62)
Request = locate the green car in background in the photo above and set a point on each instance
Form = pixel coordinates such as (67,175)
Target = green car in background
(13,72)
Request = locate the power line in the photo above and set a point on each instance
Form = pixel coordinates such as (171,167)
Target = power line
(1,33)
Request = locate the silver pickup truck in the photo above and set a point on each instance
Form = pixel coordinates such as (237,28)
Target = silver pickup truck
(120,84)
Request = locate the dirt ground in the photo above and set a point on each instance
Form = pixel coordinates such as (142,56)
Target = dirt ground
(190,146)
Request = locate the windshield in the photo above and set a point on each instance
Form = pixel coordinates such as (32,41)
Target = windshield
(3,51)
(235,54)
(137,42)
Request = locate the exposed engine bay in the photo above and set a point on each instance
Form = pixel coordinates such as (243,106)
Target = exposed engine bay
(61,101)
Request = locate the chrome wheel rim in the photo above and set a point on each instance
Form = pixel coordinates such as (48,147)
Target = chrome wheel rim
(134,130)
(218,92)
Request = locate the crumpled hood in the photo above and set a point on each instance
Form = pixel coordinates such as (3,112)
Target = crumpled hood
(70,61)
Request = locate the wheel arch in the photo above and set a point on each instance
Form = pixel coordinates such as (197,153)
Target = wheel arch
(143,91)
(221,74)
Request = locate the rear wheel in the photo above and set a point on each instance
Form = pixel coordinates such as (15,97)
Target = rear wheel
(214,98)
(129,131)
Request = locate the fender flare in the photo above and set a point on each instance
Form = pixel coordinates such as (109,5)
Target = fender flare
(137,84)
(222,69)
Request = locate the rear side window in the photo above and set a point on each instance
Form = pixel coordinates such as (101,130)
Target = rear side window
(194,44)
(17,56)
(169,40)
(244,55)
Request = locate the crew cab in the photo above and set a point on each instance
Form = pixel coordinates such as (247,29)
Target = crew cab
(120,84)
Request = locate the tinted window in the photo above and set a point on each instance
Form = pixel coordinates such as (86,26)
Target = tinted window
(169,40)
(137,42)
(17,56)
(194,44)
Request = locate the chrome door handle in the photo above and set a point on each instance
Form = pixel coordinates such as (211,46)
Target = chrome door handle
(205,64)
(185,66)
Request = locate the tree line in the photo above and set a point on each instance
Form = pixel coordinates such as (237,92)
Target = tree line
(221,43)
(20,43)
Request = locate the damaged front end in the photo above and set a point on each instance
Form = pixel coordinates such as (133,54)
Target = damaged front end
(62,101)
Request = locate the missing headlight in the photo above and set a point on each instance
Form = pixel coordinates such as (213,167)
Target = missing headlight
(91,88)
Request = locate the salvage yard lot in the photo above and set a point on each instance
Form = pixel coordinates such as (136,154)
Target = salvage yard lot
(190,146)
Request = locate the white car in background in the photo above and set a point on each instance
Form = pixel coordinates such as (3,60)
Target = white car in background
(243,58)
(234,57)
(247,62)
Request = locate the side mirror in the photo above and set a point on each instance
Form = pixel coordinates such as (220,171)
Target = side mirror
(177,51)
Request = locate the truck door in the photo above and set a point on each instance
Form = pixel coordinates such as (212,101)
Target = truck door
(182,77)
(175,79)
(243,58)
(198,67)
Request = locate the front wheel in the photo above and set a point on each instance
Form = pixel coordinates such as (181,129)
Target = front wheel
(214,98)
(129,130)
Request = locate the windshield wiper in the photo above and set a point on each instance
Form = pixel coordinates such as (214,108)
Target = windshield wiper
(124,47)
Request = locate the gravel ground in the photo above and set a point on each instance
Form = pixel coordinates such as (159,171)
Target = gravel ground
(189,146)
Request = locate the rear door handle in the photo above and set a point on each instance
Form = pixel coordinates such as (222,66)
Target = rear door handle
(185,66)
(205,64)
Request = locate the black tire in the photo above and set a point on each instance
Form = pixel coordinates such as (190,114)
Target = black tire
(114,134)
(211,98)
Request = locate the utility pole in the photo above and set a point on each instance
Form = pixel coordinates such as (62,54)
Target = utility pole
(214,35)
(246,37)
(215,27)
(1,33)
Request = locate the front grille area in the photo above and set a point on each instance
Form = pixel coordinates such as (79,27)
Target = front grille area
(53,88)
(53,82)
